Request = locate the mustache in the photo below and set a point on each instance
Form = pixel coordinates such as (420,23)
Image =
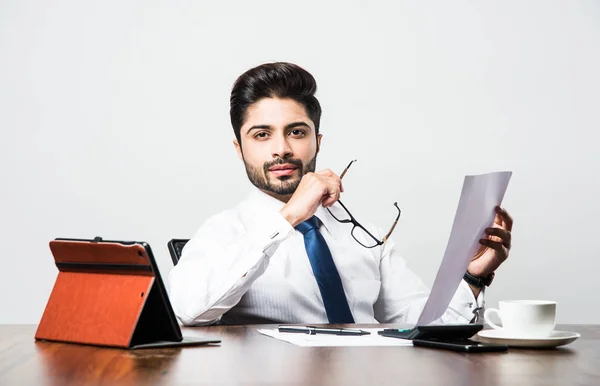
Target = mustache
(280,161)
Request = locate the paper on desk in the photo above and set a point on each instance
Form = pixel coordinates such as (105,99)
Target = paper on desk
(326,340)
(475,212)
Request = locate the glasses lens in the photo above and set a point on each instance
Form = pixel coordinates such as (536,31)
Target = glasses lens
(339,214)
(363,237)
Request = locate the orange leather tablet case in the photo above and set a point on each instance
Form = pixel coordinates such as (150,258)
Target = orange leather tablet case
(109,293)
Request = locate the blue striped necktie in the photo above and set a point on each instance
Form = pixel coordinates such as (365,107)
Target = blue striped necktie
(328,278)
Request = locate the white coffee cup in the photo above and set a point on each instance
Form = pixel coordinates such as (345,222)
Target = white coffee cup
(524,318)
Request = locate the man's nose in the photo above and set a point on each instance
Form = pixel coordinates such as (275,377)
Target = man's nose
(282,148)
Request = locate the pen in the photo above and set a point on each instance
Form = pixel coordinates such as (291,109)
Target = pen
(317,330)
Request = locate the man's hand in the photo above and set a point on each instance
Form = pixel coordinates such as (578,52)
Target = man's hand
(494,249)
(320,188)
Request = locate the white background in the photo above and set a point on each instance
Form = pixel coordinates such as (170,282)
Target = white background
(114,121)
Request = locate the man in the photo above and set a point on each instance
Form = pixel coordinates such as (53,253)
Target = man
(281,255)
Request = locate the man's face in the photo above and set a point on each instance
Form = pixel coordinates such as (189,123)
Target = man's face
(279,145)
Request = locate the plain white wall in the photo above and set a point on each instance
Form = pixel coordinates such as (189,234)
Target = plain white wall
(114,122)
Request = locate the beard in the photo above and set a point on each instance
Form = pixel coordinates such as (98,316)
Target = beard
(284,185)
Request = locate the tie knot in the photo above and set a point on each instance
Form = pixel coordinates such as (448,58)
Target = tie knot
(311,223)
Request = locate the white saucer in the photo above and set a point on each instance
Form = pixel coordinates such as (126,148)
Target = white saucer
(556,338)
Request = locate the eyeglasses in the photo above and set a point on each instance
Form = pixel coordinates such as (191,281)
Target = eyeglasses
(359,232)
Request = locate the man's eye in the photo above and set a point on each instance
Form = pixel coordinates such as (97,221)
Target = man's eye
(298,133)
(261,135)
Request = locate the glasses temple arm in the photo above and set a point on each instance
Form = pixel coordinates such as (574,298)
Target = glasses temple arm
(346,169)
(393,225)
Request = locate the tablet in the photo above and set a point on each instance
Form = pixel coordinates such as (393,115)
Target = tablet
(110,293)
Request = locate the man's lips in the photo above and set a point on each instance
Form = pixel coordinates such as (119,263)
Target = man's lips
(282,170)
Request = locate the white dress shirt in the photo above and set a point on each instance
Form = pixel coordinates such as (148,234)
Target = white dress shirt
(248,264)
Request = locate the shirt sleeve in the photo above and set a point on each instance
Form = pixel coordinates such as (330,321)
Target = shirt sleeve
(220,263)
(403,295)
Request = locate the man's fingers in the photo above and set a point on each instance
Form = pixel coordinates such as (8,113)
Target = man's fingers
(504,235)
(506,218)
(497,246)
(334,187)
(330,178)
(329,184)
(326,173)
(330,199)
(332,193)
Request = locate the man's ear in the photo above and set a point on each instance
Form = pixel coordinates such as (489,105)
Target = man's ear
(238,148)
(319,137)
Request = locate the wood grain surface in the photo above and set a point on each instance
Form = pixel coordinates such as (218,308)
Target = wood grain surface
(247,358)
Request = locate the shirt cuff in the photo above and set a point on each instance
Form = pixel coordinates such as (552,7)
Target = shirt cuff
(274,229)
(467,305)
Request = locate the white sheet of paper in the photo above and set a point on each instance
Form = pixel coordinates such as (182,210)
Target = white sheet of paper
(325,340)
(480,195)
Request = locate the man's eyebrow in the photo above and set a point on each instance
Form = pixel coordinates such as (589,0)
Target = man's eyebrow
(297,124)
(257,127)
(287,127)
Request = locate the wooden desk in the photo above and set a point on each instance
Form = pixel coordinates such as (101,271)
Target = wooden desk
(248,358)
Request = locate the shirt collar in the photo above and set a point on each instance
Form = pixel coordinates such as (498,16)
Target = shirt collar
(260,201)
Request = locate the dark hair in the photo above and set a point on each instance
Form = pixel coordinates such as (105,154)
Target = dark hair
(273,80)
